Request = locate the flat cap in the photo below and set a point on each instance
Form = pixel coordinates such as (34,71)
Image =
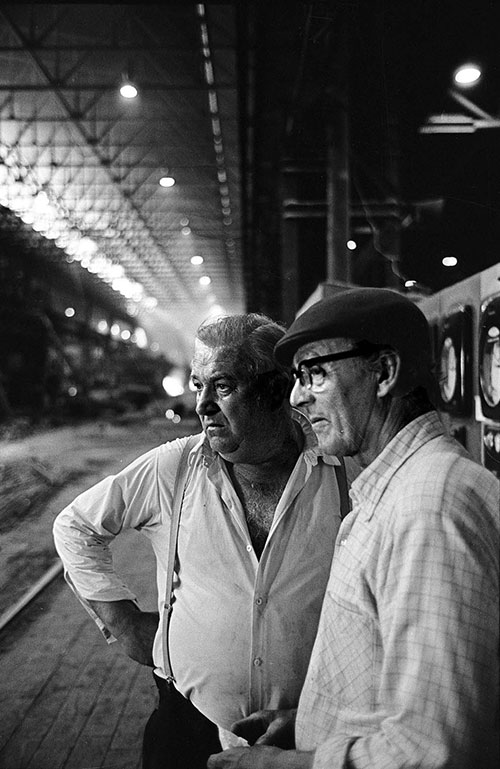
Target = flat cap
(376,315)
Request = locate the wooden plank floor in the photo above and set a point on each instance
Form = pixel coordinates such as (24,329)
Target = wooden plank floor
(68,700)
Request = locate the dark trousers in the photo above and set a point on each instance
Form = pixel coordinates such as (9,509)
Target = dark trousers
(177,735)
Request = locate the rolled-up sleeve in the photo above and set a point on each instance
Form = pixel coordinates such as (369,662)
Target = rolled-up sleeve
(84,530)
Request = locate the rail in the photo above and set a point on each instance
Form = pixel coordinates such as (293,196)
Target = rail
(31,593)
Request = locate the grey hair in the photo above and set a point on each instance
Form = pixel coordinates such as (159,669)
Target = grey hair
(251,339)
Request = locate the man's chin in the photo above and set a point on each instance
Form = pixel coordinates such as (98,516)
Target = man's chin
(330,444)
(222,444)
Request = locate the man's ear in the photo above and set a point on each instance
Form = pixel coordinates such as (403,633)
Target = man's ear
(389,366)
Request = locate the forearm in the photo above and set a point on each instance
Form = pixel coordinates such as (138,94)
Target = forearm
(261,757)
(297,759)
(118,616)
(134,629)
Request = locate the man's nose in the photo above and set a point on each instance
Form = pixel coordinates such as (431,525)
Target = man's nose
(205,401)
(300,395)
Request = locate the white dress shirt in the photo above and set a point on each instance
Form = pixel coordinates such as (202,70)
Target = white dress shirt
(242,629)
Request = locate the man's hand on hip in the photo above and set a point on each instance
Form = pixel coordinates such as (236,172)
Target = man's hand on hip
(133,629)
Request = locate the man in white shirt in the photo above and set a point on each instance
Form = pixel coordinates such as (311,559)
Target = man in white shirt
(260,514)
(404,671)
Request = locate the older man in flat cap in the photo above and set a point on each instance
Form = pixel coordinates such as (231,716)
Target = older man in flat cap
(404,671)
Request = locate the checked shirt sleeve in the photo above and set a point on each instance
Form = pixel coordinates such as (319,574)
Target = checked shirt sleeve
(433,584)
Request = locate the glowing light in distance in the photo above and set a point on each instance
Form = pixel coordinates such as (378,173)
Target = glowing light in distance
(172,385)
(69,312)
(72,391)
(351,245)
(85,247)
(205,280)
(140,338)
(216,310)
(128,91)
(468,74)
(450,261)
(102,327)
(410,283)
(115,329)
(170,414)
(186,230)
(197,260)
(125,334)
(167,181)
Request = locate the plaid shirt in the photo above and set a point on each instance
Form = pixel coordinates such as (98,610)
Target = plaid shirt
(404,671)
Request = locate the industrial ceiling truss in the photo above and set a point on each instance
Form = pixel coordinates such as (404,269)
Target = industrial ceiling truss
(82,164)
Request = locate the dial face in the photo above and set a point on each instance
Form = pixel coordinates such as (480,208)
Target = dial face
(490,366)
(448,370)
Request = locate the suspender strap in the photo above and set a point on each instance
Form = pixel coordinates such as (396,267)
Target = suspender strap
(179,489)
(343,489)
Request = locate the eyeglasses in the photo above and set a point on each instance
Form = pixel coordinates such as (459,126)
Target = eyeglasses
(311,375)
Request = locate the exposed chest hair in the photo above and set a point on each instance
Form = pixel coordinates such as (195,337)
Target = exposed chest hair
(259,500)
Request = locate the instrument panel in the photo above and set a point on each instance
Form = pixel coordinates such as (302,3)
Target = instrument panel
(465,325)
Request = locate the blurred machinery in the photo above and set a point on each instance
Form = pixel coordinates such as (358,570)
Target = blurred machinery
(68,346)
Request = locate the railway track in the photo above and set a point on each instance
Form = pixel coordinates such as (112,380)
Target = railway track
(42,475)
(30,593)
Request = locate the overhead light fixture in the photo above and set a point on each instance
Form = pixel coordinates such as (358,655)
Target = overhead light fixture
(167,181)
(449,261)
(205,280)
(197,260)
(128,90)
(467,75)
(352,245)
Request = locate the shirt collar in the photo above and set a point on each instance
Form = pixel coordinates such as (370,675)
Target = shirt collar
(368,487)
(310,449)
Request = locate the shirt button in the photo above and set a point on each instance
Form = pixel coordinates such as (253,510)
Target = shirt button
(257,662)
(259,601)
(249,548)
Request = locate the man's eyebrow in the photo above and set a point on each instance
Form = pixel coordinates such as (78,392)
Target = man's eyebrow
(216,377)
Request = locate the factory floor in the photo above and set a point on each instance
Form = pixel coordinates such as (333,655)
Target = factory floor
(68,700)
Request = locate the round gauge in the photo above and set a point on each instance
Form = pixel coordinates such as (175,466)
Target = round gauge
(448,370)
(490,366)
